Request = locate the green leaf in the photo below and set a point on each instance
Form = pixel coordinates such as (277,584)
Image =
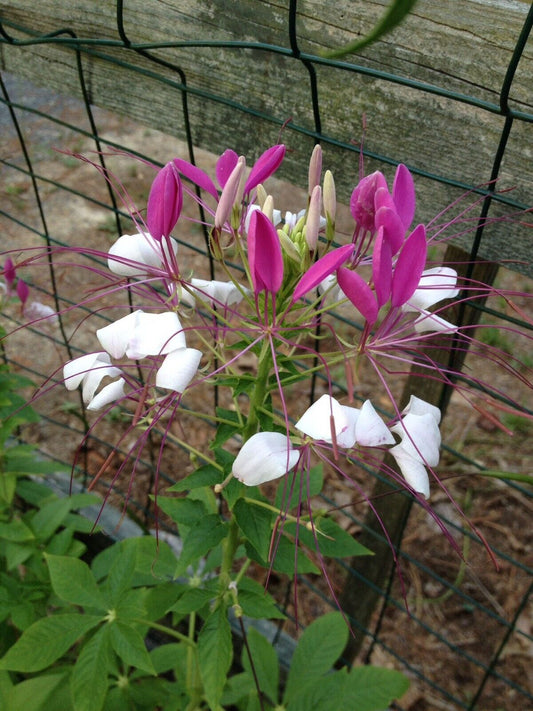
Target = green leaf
(373,688)
(48,519)
(73,581)
(324,693)
(35,694)
(333,541)
(89,680)
(256,602)
(214,655)
(265,662)
(192,600)
(207,475)
(225,430)
(397,11)
(255,523)
(47,640)
(15,530)
(182,511)
(285,560)
(129,646)
(319,648)
(201,538)
(121,572)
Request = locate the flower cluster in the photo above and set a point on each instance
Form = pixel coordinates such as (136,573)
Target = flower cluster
(282,280)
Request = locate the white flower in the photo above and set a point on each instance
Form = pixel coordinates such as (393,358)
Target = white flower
(420,443)
(112,392)
(89,371)
(136,254)
(264,457)
(435,285)
(139,334)
(225,293)
(178,369)
(351,425)
(370,430)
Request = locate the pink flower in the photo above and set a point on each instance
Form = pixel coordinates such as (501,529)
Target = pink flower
(264,254)
(164,202)
(264,167)
(362,201)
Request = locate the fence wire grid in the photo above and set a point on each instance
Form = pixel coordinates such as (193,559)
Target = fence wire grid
(466,639)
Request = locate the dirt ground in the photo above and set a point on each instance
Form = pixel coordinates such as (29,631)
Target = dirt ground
(447,637)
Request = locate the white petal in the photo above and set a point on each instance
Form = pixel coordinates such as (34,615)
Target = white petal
(94,377)
(110,393)
(115,337)
(429,322)
(435,285)
(414,472)
(178,369)
(417,406)
(420,437)
(221,292)
(76,370)
(316,421)
(155,334)
(139,252)
(264,457)
(370,430)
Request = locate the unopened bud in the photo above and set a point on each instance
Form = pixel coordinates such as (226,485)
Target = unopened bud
(312,224)
(329,196)
(268,208)
(229,194)
(315,168)
(164,202)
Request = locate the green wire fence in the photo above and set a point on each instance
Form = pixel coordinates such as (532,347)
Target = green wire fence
(448,96)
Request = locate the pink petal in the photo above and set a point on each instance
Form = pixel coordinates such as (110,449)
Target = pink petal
(23,291)
(9,272)
(197,176)
(362,199)
(164,202)
(321,269)
(265,166)
(264,254)
(393,227)
(409,266)
(403,194)
(382,268)
(229,194)
(225,165)
(383,198)
(359,293)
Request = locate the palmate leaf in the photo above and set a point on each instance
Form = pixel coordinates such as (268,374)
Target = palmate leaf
(318,649)
(214,655)
(396,12)
(73,581)
(89,680)
(46,641)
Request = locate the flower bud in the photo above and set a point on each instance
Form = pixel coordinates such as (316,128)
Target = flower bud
(229,194)
(312,224)
(164,202)
(329,196)
(362,204)
(315,168)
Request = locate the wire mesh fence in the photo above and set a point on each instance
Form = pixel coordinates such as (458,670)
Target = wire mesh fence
(461,629)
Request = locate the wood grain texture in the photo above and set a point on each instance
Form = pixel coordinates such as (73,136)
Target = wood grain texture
(240,97)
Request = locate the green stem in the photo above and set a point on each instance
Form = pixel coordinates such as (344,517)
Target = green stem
(166,630)
(260,391)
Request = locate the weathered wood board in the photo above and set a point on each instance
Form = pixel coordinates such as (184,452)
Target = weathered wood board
(240,96)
